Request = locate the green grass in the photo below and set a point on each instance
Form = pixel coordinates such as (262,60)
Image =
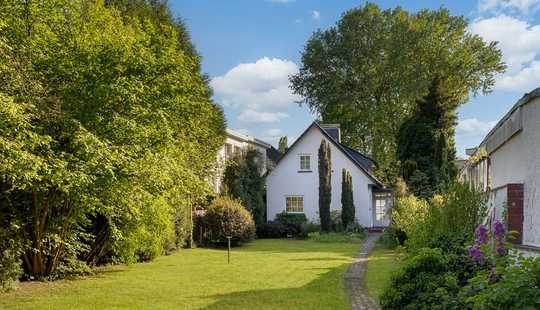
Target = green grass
(381,264)
(265,274)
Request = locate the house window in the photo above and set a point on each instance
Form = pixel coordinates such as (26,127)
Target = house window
(237,150)
(380,209)
(228,151)
(294,204)
(305,162)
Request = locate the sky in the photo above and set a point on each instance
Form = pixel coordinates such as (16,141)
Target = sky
(249,48)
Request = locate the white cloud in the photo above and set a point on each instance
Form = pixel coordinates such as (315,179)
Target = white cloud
(522,6)
(262,84)
(316,15)
(472,127)
(274,132)
(251,116)
(520,44)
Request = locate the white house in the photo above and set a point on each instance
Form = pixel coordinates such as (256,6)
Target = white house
(235,143)
(293,185)
(507,165)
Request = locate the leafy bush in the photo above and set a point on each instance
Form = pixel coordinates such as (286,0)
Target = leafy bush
(389,238)
(456,212)
(307,228)
(423,282)
(11,248)
(516,286)
(271,230)
(336,237)
(292,222)
(227,217)
(336,220)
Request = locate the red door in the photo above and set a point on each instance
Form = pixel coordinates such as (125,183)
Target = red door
(515,210)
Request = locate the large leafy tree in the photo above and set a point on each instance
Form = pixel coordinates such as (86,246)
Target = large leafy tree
(115,131)
(426,142)
(325,185)
(367,71)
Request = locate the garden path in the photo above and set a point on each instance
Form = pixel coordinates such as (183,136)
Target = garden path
(354,277)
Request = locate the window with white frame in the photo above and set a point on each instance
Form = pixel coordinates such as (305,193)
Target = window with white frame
(380,208)
(228,151)
(294,204)
(305,162)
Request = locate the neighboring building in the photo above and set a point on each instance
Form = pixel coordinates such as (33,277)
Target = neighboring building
(507,165)
(293,185)
(236,143)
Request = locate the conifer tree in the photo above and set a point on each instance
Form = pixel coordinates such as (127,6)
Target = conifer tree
(283,144)
(325,185)
(347,202)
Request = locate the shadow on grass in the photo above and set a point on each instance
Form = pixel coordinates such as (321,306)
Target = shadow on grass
(325,292)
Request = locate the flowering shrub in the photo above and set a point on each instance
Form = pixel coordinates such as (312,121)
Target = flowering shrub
(488,246)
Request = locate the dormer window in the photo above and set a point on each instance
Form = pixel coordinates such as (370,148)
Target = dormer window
(305,162)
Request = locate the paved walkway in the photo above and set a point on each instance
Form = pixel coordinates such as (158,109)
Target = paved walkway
(354,277)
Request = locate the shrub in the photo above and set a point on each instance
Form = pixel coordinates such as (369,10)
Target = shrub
(292,222)
(516,286)
(271,230)
(423,282)
(11,248)
(336,221)
(456,212)
(307,228)
(389,238)
(227,217)
(336,237)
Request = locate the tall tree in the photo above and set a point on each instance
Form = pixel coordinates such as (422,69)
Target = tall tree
(367,71)
(242,180)
(426,142)
(116,130)
(325,185)
(283,144)
(347,200)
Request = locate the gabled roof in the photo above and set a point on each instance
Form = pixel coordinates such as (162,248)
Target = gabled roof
(361,161)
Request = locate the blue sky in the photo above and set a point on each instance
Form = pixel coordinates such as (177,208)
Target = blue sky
(249,47)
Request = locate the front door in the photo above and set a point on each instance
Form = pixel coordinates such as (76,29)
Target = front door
(381,207)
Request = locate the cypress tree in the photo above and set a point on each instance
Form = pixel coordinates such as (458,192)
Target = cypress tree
(425,142)
(283,144)
(325,185)
(347,202)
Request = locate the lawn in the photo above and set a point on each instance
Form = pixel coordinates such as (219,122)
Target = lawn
(265,274)
(381,264)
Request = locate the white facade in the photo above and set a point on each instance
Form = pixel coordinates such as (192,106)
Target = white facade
(236,142)
(512,156)
(287,179)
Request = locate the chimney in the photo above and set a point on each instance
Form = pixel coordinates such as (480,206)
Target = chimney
(332,130)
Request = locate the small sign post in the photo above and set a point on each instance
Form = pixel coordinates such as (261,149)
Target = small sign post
(229,249)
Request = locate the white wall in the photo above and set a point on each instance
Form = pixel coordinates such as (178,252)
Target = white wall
(286,180)
(518,161)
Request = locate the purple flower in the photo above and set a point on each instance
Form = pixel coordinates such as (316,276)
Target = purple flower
(481,234)
(498,229)
(476,254)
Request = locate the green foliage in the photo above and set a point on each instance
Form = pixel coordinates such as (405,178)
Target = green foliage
(242,180)
(389,238)
(227,217)
(307,228)
(283,145)
(347,201)
(515,287)
(107,130)
(423,282)
(425,143)
(292,221)
(325,185)
(11,248)
(334,237)
(456,213)
(389,57)
(271,230)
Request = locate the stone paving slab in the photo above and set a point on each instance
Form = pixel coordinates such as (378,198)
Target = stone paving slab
(354,277)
